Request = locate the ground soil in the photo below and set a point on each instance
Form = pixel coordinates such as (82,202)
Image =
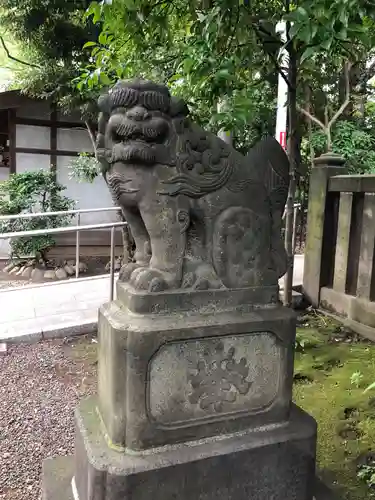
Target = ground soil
(40,387)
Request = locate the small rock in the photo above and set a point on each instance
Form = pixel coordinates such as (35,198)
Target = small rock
(3,349)
(14,270)
(26,273)
(37,274)
(20,271)
(69,270)
(82,267)
(9,267)
(49,274)
(61,274)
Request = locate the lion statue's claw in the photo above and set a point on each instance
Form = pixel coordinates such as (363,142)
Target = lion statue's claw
(151,280)
(127,270)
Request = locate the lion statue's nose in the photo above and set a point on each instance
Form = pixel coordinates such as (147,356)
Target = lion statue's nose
(138,113)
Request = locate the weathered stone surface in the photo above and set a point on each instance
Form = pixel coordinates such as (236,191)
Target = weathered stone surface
(275,462)
(203,216)
(198,379)
(342,244)
(366,253)
(82,267)
(3,349)
(49,274)
(69,270)
(318,219)
(21,270)
(26,273)
(14,270)
(37,274)
(61,468)
(61,274)
(57,479)
(203,301)
(152,370)
(9,267)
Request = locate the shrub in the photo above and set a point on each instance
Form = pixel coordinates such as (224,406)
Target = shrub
(33,192)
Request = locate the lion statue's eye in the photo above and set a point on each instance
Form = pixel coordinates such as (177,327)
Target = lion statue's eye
(119,110)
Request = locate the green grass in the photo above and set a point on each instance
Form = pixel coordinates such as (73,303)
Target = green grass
(345,415)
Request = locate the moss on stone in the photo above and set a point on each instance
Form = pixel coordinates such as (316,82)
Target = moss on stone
(345,415)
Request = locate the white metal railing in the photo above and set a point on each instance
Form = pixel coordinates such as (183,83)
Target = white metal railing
(78,228)
(69,229)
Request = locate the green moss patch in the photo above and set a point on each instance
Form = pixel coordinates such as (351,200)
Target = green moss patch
(332,370)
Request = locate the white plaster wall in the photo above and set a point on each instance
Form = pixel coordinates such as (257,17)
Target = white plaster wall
(4,244)
(27,162)
(4,249)
(39,109)
(28,136)
(4,173)
(86,195)
(74,140)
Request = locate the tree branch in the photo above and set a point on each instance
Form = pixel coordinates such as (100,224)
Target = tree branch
(311,117)
(2,41)
(274,60)
(91,134)
(348,65)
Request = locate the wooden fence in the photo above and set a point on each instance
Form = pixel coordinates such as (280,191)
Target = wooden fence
(339,274)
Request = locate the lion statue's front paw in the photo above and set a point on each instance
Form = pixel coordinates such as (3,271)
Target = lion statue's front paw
(151,280)
(127,270)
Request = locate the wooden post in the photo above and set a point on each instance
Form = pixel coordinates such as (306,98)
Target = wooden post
(318,218)
(53,138)
(12,141)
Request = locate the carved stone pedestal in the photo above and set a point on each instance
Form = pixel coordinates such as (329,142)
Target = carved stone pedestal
(194,403)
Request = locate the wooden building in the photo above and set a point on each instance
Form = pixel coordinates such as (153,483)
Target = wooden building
(34,135)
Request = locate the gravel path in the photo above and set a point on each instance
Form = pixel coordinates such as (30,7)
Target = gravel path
(40,387)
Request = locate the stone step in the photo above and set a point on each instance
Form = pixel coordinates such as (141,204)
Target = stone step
(58,473)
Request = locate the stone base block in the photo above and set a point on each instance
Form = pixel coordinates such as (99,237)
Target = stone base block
(168,379)
(274,462)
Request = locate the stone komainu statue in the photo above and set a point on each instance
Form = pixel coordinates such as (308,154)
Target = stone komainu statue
(202,215)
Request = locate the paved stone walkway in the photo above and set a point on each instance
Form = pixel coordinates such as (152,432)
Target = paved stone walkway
(62,309)
(52,309)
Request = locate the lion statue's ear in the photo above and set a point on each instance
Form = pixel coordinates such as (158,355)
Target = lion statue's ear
(103,103)
(178,108)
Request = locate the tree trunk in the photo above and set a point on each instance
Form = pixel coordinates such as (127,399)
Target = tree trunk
(292,152)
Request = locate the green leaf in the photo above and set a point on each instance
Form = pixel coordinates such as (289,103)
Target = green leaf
(305,34)
(188,64)
(104,78)
(302,13)
(309,52)
(102,38)
(369,388)
(327,43)
(342,34)
(294,29)
(89,44)
(343,17)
